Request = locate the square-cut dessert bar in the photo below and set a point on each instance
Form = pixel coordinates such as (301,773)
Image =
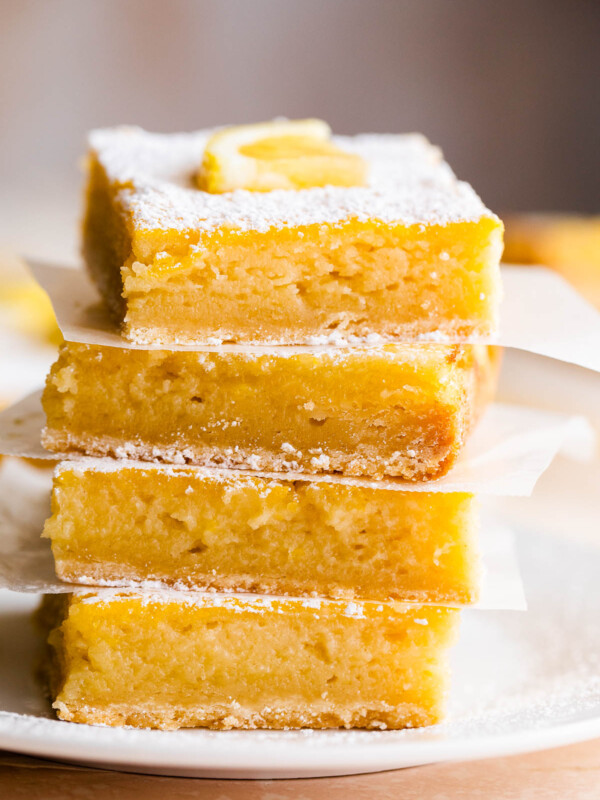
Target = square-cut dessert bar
(117,522)
(403,251)
(176,660)
(398,410)
(276,235)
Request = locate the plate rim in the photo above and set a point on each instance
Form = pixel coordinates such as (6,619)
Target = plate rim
(201,753)
(215,761)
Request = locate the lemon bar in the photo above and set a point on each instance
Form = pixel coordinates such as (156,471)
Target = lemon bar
(410,253)
(175,660)
(398,410)
(115,522)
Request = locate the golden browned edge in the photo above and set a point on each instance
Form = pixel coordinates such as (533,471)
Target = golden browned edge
(47,670)
(78,571)
(50,672)
(104,254)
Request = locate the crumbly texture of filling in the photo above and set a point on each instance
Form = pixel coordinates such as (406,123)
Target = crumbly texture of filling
(254,534)
(393,410)
(167,662)
(180,265)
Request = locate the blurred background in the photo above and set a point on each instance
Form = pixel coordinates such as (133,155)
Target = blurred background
(509,89)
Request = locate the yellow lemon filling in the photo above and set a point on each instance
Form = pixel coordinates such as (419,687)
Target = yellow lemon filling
(180,660)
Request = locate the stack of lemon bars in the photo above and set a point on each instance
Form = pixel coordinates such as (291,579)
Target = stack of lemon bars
(253,484)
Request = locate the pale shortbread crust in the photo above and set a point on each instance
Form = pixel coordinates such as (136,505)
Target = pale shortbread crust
(428,464)
(79,571)
(374,717)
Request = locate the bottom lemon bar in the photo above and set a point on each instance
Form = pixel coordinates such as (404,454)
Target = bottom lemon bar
(400,410)
(175,660)
(114,522)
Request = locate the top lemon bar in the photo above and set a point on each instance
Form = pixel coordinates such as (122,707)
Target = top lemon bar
(238,235)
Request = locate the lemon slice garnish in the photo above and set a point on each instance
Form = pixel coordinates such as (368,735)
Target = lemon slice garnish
(277,155)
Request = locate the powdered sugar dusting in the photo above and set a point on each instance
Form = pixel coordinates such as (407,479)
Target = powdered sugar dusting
(149,593)
(408,183)
(534,668)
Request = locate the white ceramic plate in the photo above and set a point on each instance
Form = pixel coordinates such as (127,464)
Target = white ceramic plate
(522,681)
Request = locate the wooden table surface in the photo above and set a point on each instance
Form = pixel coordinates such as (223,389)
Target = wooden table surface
(567,773)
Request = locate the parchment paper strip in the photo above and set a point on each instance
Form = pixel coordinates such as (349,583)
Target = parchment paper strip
(26,563)
(540,313)
(506,454)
